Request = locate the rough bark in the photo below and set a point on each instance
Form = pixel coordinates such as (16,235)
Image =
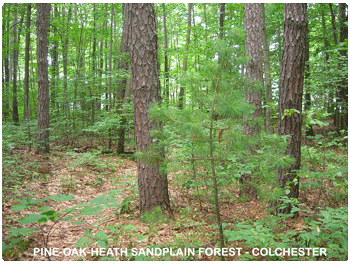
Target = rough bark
(291,91)
(152,180)
(253,46)
(253,95)
(43,18)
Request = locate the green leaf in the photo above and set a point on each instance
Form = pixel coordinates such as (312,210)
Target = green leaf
(92,210)
(83,242)
(62,197)
(20,231)
(130,227)
(30,218)
(103,200)
(48,213)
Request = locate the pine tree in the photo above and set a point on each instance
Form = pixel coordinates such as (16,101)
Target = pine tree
(43,18)
(143,48)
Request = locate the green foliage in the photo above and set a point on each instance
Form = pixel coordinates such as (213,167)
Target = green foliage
(100,238)
(125,207)
(51,217)
(213,103)
(328,231)
(155,216)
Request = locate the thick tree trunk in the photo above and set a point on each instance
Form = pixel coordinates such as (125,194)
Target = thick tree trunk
(291,91)
(253,46)
(6,63)
(253,95)
(152,179)
(43,18)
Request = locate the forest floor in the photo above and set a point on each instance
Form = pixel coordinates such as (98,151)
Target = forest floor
(89,176)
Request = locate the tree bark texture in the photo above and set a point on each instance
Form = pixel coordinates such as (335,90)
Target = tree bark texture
(253,95)
(124,49)
(152,181)
(43,18)
(253,47)
(291,91)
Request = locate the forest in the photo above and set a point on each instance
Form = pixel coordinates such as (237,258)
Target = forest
(176,131)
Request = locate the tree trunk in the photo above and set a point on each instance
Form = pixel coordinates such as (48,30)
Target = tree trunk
(290,93)
(166,66)
(184,66)
(26,65)
(43,18)
(122,86)
(15,117)
(110,77)
(334,31)
(341,114)
(65,60)
(253,46)
(307,106)
(6,63)
(152,179)
(55,65)
(267,72)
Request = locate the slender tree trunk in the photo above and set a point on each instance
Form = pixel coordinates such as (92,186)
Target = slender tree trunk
(341,115)
(334,30)
(26,64)
(92,89)
(290,94)
(184,66)
(329,104)
(55,65)
(66,21)
(26,74)
(221,27)
(166,65)
(152,179)
(6,63)
(267,72)
(307,106)
(43,19)
(110,77)
(15,117)
(122,86)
